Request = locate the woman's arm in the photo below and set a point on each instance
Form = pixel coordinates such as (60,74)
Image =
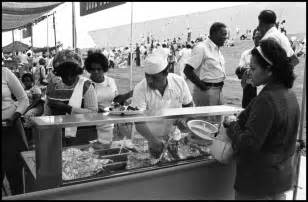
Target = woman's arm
(18,91)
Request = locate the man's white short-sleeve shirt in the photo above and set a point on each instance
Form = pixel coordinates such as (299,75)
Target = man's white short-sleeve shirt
(280,38)
(245,58)
(176,94)
(208,62)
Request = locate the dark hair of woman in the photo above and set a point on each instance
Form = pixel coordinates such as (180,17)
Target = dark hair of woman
(68,68)
(29,75)
(42,61)
(282,69)
(98,58)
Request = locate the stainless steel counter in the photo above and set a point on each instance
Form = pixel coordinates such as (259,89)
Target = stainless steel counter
(100,118)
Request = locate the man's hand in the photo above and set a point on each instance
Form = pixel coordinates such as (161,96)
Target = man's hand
(60,106)
(156,148)
(123,97)
(228,119)
(203,86)
(120,99)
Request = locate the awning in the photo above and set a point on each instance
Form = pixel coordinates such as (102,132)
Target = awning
(19,14)
(16,46)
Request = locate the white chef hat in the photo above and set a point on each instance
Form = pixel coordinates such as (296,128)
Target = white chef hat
(155,63)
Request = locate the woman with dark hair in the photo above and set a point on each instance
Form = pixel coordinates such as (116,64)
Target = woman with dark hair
(71,94)
(264,135)
(106,90)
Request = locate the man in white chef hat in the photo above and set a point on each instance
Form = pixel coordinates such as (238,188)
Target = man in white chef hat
(158,90)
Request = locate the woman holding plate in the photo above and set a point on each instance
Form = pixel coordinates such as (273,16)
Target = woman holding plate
(264,136)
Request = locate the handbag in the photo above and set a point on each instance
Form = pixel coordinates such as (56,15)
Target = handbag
(221,148)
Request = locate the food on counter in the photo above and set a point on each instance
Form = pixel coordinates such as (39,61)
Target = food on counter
(138,160)
(78,164)
(118,107)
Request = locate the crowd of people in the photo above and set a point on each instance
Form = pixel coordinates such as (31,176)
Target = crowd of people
(66,83)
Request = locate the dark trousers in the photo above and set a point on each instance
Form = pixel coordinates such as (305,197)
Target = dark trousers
(171,67)
(249,92)
(12,144)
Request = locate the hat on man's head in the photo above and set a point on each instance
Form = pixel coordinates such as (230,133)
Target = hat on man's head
(66,56)
(155,63)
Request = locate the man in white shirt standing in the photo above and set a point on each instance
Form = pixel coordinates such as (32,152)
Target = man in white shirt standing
(267,27)
(206,69)
(158,90)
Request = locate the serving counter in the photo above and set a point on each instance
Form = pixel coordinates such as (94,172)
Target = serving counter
(198,178)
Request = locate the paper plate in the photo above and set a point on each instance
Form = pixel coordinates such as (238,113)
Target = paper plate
(202,129)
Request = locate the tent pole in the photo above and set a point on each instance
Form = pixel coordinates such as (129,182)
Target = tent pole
(13,42)
(300,135)
(131,48)
(47,36)
(32,36)
(54,31)
(74,25)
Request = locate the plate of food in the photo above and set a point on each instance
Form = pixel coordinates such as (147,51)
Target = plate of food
(124,110)
(202,129)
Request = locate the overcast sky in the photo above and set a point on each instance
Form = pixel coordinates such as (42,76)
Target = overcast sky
(116,16)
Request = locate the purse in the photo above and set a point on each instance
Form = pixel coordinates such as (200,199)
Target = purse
(221,148)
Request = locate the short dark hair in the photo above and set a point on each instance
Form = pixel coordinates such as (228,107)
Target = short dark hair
(267,17)
(215,27)
(282,68)
(42,61)
(98,58)
(68,68)
(29,75)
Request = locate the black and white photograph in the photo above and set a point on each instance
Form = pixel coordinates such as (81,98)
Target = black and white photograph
(153,101)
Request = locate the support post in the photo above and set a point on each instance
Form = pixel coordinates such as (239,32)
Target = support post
(47,36)
(131,48)
(54,31)
(48,157)
(300,135)
(74,26)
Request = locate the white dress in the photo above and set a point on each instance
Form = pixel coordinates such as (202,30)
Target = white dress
(105,92)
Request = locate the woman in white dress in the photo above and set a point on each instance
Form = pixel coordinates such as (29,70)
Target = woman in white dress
(106,90)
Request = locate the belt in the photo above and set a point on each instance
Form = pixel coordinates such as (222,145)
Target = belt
(220,84)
